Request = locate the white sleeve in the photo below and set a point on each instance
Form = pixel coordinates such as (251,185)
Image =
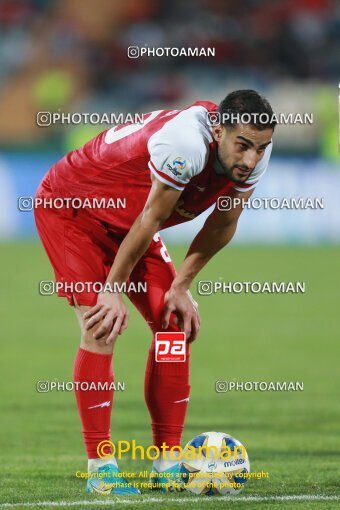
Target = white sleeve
(257,173)
(176,155)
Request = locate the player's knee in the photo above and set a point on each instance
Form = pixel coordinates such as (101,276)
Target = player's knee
(89,343)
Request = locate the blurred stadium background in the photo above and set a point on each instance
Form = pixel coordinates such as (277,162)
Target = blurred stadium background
(71,55)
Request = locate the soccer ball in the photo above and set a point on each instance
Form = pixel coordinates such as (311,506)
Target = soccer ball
(214,463)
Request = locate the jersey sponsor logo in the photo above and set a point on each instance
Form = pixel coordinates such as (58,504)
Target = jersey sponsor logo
(170,347)
(183,212)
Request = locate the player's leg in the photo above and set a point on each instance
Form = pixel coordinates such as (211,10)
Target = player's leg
(167,385)
(80,252)
(93,365)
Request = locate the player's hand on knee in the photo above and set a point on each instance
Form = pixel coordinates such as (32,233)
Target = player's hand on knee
(181,303)
(111,314)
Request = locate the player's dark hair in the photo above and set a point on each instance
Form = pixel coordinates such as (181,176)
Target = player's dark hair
(244,104)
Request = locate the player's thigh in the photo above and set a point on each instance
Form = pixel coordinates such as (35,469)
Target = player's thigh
(157,271)
(81,253)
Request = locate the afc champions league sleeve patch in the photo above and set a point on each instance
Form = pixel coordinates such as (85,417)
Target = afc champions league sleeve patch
(179,167)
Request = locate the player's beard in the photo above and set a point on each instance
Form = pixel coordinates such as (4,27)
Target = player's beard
(221,168)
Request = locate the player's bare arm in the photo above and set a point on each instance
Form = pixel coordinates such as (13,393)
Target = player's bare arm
(110,307)
(239,150)
(216,233)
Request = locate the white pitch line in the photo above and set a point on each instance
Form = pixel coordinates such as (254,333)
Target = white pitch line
(185,500)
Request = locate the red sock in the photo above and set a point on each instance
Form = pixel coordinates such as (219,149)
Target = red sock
(94,406)
(166,392)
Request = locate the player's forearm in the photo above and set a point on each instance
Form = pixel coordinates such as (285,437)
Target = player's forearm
(157,209)
(133,247)
(205,245)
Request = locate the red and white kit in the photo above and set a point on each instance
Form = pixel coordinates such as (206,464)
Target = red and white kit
(178,148)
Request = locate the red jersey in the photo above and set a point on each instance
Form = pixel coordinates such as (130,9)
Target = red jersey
(175,145)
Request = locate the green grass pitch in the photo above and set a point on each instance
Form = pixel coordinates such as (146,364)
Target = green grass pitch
(293,435)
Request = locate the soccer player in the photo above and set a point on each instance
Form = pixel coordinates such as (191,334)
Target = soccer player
(165,171)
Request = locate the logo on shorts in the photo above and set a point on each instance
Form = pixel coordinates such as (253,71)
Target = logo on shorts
(170,347)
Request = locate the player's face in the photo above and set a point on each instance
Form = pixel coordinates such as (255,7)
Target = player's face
(240,148)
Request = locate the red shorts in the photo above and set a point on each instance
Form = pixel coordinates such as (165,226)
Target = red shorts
(82,249)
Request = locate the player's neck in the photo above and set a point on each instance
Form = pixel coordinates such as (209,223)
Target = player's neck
(217,164)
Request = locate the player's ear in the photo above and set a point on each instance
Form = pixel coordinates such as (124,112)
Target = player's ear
(217,132)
